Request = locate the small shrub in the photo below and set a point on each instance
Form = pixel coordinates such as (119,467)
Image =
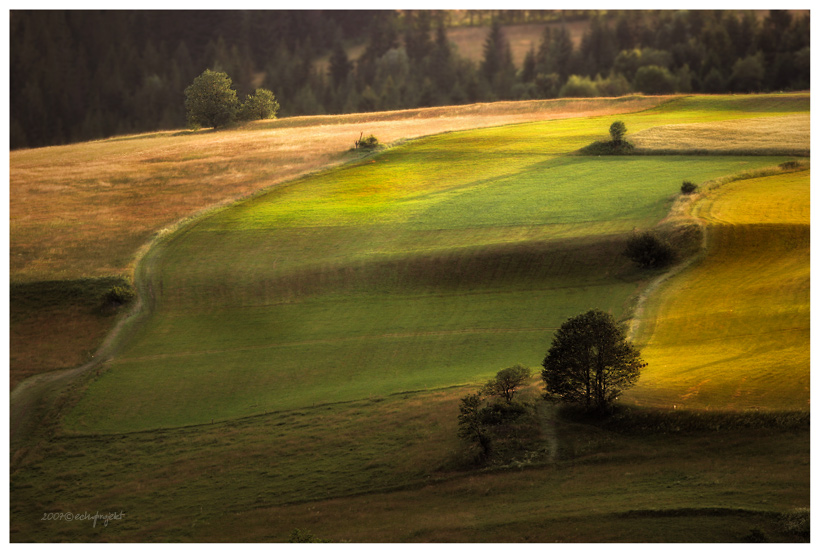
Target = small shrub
(688,187)
(369,142)
(649,250)
(789,165)
(608,148)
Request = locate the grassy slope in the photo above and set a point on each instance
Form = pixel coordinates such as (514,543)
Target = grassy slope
(365,253)
(258,479)
(734,329)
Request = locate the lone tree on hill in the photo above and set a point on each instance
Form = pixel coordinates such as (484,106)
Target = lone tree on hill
(617,131)
(210,101)
(590,361)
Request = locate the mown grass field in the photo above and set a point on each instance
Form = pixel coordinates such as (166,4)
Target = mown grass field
(397,273)
(734,329)
(329,327)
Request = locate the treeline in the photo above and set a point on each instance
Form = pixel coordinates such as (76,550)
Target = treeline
(80,75)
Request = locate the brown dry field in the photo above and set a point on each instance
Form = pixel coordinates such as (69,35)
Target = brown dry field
(790,132)
(84,210)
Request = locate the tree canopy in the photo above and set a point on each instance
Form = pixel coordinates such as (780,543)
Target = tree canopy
(85,74)
(617,131)
(260,105)
(210,101)
(506,382)
(590,361)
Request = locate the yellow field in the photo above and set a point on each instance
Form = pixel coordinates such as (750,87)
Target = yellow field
(733,330)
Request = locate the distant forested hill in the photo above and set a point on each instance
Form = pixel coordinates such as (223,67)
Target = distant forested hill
(80,75)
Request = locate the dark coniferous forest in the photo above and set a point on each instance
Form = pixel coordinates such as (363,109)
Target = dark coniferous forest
(82,75)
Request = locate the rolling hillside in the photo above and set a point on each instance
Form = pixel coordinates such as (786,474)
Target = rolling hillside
(300,354)
(432,264)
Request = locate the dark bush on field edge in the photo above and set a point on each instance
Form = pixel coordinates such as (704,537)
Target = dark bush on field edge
(688,187)
(117,296)
(649,250)
(608,148)
(369,142)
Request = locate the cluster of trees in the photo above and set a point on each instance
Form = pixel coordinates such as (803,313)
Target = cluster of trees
(78,75)
(211,101)
(590,363)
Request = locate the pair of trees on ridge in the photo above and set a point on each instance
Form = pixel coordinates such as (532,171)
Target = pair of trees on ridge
(211,101)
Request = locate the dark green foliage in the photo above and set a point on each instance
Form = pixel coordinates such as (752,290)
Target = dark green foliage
(608,148)
(369,142)
(651,79)
(59,293)
(649,250)
(507,382)
(590,362)
(491,419)
(617,146)
(261,104)
(119,295)
(496,414)
(617,131)
(82,74)
(688,187)
(210,101)
(791,164)
(471,426)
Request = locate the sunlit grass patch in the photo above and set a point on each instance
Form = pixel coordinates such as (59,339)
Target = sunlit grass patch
(733,331)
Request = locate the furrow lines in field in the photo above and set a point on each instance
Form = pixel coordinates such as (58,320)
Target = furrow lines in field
(341,339)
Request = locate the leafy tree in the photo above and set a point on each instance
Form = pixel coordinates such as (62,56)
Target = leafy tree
(578,87)
(210,101)
(506,382)
(470,424)
(617,130)
(261,104)
(651,79)
(747,74)
(590,361)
